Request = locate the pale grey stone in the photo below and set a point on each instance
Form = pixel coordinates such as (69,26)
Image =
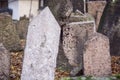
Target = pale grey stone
(97,59)
(41,47)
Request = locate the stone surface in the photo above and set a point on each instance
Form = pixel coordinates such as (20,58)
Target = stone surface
(22,27)
(60,8)
(4,63)
(110,26)
(41,47)
(74,36)
(78,4)
(62,61)
(78,16)
(97,59)
(96,8)
(8,34)
(75,33)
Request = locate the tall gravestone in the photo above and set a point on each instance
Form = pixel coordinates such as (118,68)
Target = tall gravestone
(4,63)
(41,47)
(97,60)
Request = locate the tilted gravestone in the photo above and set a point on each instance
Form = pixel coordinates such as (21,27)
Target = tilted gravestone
(60,8)
(41,47)
(8,34)
(22,27)
(4,63)
(97,60)
(74,36)
(110,25)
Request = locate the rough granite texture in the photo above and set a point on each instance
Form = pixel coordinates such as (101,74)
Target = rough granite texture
(4,63)
(60,8)
(97,60)
(110,26)
(8,33)
(41,47)
(74,37)
(62,61)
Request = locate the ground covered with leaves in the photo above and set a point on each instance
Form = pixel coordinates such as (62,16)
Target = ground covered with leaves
(17,59)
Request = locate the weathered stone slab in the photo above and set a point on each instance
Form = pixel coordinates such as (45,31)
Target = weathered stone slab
(97,60)
(62,61)
(78,4)
(96,8)
(74,36)
(4,63)
(8,34)
(41,47)
(22,27)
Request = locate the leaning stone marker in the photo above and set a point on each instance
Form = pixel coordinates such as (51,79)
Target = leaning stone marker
(97,60)
(41,47)
(4,63)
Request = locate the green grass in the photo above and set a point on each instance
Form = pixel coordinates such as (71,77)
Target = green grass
(114,77)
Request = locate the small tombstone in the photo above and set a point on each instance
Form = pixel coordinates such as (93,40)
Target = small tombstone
(97,60)
(4,63)
(41,47)
(8,34)
(22,27)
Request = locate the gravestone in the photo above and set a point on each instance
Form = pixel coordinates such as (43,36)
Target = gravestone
(22,27)
(110,26)
(60,8)
(97,60)
(4,63)
(74,36)
(8,34)
(41,47)
(75,33)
